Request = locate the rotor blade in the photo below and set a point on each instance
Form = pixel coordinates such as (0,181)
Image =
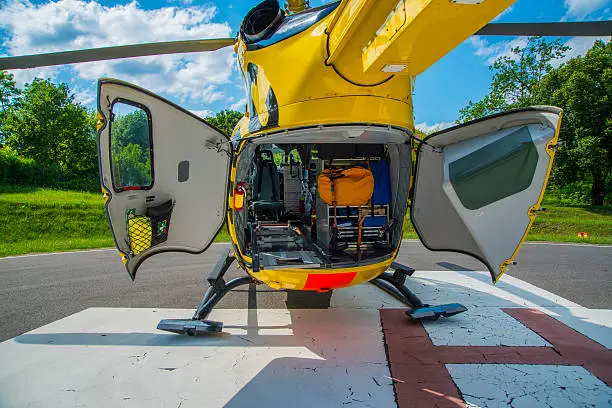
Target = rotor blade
(108,53)
(580,29)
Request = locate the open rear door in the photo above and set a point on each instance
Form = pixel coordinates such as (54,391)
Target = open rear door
(478,185)
(164,174)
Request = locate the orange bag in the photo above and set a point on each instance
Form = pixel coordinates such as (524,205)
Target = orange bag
(342,187)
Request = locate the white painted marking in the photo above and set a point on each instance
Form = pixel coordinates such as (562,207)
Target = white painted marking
(521,385)
(474,290)
(482,326)
(568,244)
(364,296)
(84,251)
(227,243)
(59,253)
(115,357)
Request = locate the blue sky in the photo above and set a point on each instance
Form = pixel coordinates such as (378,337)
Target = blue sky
(209,82)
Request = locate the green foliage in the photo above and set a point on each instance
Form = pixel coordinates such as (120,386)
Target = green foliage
(225,121)
(8,95)
(8,90)
(562,224)
(15,169)
(516,78)
(130,128)
(48,126)
(130,148)
(130,167)
(42,220)
(574,194)
(49,138)
(583,89)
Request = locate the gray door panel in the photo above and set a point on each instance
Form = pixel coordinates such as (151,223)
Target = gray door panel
(477,184)
(173,199)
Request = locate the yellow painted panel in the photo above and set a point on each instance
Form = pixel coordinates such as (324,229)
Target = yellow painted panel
(550,150)
(295,279)
(345,23)
(348,109)
(434,28)
(399,19)
(303,75)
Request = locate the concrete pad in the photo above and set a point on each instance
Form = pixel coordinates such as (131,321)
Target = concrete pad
(115,357)
(474,290)
(528,386)
(482,326)
(328,357)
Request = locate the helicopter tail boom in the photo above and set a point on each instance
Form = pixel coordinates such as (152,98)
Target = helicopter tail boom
(368,38)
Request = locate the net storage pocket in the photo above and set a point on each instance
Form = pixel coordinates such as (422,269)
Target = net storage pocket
(146,231)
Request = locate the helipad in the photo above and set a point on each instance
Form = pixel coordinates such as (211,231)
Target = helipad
(517,345)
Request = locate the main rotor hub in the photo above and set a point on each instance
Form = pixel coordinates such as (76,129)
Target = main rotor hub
(295,6)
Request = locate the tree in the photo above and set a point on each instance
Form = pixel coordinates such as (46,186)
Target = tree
(583,89)
(516,78)
(8,96)
(49,126)
(225,121)
(131,128)
(8,90)
(130,146)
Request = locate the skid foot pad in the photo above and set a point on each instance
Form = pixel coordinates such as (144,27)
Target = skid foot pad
(434,312)
(190,327)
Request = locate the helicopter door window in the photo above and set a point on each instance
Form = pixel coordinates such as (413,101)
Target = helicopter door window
(130,146)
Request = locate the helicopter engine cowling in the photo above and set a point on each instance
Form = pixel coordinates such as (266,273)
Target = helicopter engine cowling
(261,21)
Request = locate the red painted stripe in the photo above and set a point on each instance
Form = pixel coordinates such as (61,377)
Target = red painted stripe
(422,380)
(421,377)
(575,346)
(326,281)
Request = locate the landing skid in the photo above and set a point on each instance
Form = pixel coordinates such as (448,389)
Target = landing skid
(394,284)
(198,325)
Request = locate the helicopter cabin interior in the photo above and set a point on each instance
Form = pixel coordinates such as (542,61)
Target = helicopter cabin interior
(325,197)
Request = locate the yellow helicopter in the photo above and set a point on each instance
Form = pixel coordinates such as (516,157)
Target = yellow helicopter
(316,179)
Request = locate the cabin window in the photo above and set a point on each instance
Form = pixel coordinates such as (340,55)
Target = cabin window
(130,146)
(496,171)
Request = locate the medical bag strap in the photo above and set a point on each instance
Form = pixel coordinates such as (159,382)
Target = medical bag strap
(370,204)
(259,171)
(360,220)
(332,179)
(333,192)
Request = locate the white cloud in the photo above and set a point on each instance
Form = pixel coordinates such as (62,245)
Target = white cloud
(427,129)
(503,13)
(582,8)
(183,2)
(202,113)
(578,46)
(77,24)
(492,51)
(239,106)
(83,96)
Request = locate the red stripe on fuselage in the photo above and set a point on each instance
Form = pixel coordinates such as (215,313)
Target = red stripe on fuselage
(326,281)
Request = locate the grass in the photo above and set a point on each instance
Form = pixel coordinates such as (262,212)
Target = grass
(562,224)
(41,220)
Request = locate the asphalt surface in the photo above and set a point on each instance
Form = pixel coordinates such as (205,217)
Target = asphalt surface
(39,289)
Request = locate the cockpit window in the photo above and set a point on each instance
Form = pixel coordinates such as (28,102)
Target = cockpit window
(130,146)
(294,24)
